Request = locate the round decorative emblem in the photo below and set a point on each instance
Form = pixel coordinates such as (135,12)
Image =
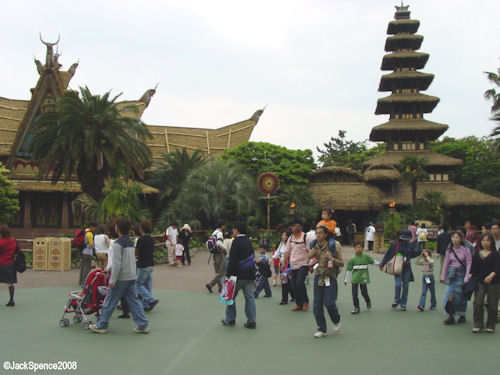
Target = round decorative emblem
(268,183)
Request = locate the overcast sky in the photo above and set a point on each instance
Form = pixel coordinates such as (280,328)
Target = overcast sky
(315,63)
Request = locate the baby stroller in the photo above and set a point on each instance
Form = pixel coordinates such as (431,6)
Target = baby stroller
(87,301)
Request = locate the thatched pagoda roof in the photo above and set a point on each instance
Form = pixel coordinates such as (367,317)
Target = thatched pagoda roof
(396,130)
(454,195)
(409,79)
(403,26)
(355,196)
(386,105)
(336,170)
(398,59)
(392,158)
(381,174)
(11,113)
(403,41)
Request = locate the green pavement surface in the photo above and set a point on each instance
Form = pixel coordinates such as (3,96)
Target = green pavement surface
(187,337)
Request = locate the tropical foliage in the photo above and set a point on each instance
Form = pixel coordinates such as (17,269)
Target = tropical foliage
(9,204)
(305,208)
(121,200)
(340,151)
(217,189)
(169,175)
(90,136)
(481,162)
(412,170)
(494,95)
(291,166)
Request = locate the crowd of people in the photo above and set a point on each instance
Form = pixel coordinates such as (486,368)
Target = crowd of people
(469,265)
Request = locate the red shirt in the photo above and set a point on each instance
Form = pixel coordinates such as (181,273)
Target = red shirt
(7,250)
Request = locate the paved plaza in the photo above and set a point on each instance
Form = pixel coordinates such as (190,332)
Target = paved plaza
(187,337)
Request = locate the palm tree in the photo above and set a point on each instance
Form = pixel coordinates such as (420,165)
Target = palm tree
(216,189)
(169,175)
(411,168)
(494,96)
(121,200)
(92,137)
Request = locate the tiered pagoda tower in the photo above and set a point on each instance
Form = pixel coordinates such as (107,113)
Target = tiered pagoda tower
(359,196)
(406,132)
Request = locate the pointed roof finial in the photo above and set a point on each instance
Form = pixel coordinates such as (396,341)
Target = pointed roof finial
(402,12)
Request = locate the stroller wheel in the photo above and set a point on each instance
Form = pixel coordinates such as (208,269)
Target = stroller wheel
(64,322)
(86,324)
(77,318)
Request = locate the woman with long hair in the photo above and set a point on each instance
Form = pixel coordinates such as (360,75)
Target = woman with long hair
(485,270)
(456,272)
(8,273)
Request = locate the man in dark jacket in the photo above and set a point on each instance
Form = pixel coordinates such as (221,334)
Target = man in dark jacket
(443,242)
(242,265)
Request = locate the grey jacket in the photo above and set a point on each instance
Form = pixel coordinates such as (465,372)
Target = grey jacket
(123,260)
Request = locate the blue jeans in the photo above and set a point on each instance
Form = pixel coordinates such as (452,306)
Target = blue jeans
(128,290)
(325,295)
(263,284)
(404,281)
(455,288)
(144,284)
(250,310)
(426,287)
(298,283)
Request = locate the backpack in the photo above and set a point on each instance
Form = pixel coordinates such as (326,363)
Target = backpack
(212,245)
(79,240)
(422,236)
(20,259)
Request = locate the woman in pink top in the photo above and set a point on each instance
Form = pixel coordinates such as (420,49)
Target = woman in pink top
(297,248)
(456,270)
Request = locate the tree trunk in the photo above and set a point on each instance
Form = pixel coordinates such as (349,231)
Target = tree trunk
(414,192)
(92,182)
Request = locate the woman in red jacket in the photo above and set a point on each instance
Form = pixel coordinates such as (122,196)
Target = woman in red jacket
(8,273)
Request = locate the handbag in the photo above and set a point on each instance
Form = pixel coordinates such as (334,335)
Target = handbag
(395,265)
(247,264)
(469,288)
(20,259)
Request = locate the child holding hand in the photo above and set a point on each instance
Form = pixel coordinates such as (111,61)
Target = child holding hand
(425,259)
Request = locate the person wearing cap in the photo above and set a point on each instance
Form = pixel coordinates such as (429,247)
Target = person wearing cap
(184,239)
(408,251)
(296,250)
(370,235)
(219,257)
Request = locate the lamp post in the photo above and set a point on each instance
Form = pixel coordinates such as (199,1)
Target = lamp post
(292,208)
(392,209)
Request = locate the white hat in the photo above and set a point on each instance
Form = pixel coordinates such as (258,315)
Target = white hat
(186,226)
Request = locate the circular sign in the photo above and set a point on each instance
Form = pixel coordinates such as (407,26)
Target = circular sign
(268,183)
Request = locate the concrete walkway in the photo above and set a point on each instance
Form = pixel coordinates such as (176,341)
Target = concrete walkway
(187,337)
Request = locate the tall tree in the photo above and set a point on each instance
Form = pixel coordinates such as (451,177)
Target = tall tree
(92,137)
(412,170)
(494,96)
(218,189)
(169,175)
(291,166)
(340,151)
(9,204)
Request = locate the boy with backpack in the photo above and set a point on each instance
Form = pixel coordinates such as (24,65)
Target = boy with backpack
(263,265)
(215,245)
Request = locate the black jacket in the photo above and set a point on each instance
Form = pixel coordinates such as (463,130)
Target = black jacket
(443,242)
(145,251)
(240,249)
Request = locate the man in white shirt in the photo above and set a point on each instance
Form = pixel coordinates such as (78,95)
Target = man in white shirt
(171,234)
(370,235)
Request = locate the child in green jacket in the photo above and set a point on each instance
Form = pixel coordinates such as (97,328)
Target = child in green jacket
(357,273)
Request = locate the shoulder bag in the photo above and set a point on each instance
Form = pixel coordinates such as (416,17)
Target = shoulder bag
(395,265)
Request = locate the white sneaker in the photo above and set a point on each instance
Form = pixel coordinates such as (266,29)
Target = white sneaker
(145,330)
(476,330)
(319,334)
(337,327)
(93,328)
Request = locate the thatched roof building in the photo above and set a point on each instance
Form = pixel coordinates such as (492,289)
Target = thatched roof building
(406,133)
(44,204)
